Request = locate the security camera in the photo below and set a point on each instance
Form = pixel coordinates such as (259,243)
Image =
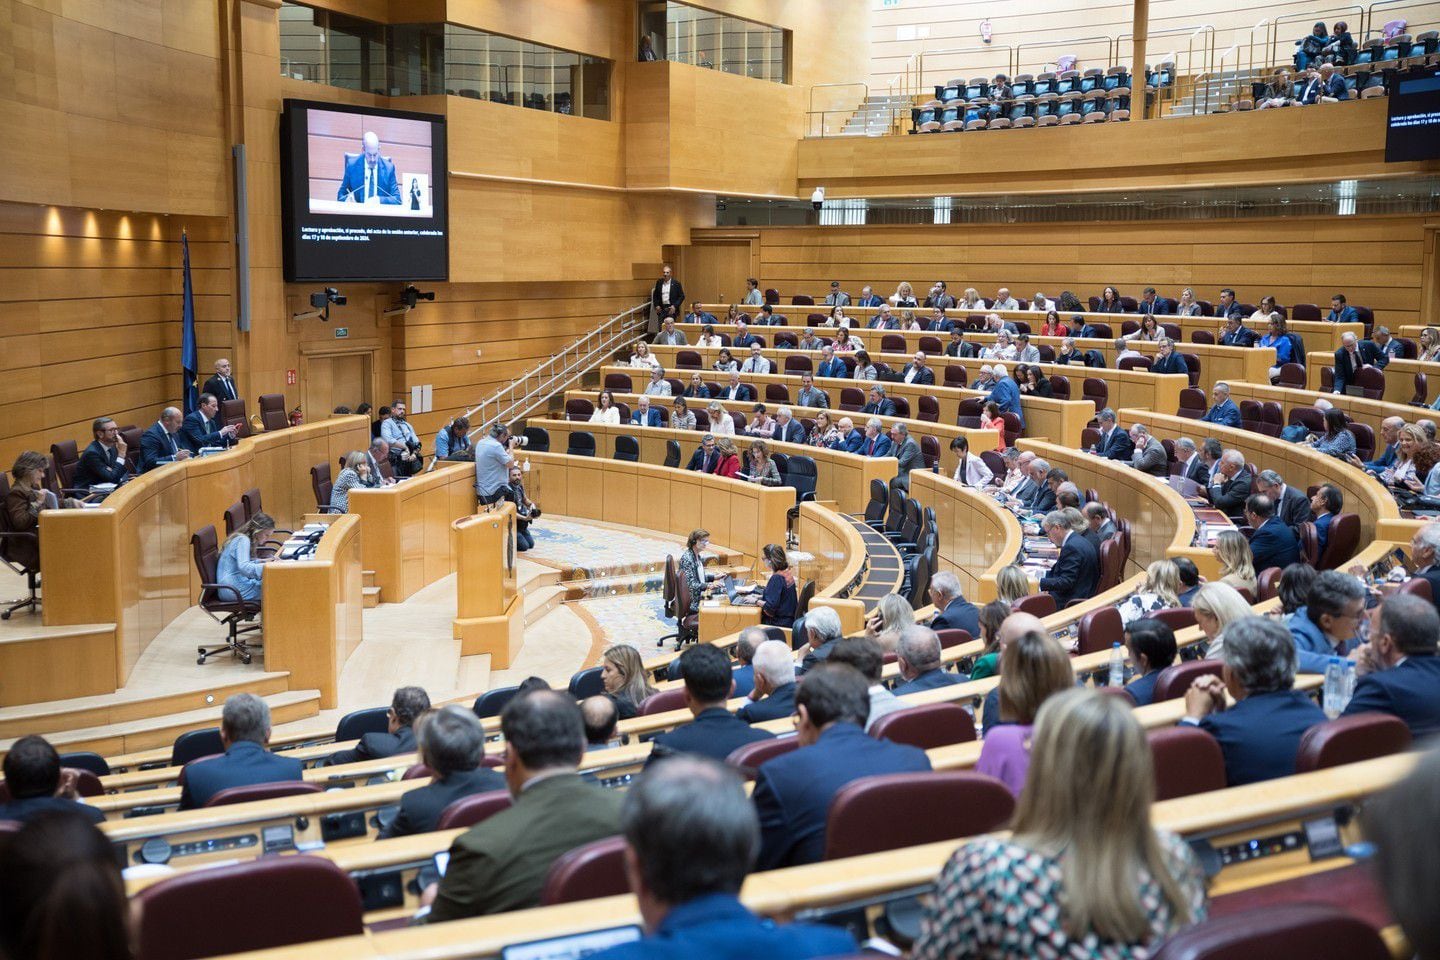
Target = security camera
(320,302)
(411,296)
(817,199)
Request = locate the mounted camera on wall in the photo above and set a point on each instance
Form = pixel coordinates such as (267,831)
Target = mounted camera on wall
(321,301)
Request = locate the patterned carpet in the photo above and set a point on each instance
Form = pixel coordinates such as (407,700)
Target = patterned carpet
(637,619)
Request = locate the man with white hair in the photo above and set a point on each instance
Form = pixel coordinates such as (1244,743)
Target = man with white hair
(954,612)
(1114,443)
(774,693)
(1292,507)
(904,448)
(1231,487)
(876,443)
(985,379)
(1077,569)
(831,365)
(919,658)
(823,631)
(882,319)
(1041,304)
(993,324)
(787,428)
(1425,557)
(1222,410)
(1390,433)
(1149,456)
(643,415)
(1005,393)
(1192,465)
(1353,354)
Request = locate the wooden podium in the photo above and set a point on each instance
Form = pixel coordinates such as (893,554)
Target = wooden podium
(490,613)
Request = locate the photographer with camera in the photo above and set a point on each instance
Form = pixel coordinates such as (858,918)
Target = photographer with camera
(493,460)
(525,510)
(405,457)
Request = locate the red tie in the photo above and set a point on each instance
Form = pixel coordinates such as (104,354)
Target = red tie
(871,451)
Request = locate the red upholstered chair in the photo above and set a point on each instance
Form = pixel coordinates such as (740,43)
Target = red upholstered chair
(1192,403)
(752,756)
(892,343)
(1305,311)
(1113,554)
(1176,679)
(663,702)
(232,414)
(688,360)
(1344,538)
(1097,391)
(926,726)
(1041,605)
(1292,375)
(594,870)
(1134,363)
(896,810)
(1371,381)
(1187,760)
(1269,583)
(65,456)
(798,363)
(1059,387)
(468,811)
(579,409)
(1364,736)
(274,902)
(87,784)
(777,393)
(1202,336)
(272,411)
(1100,629)
(954,375)
(953,637)
(262,791)
(417,771)
(1176,618)
(928,410)
(1417,586)
(1286,930)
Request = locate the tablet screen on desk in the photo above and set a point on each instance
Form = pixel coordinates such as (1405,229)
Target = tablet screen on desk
(572,947)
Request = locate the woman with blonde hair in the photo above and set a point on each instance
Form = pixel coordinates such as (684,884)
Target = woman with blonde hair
(904,296)
(623,674)
(1161,591)
(970,300)
(721,425)
(1011,584)
(238,566)
(1033,668)
(352,475)
(1430,344)
(1084,872)
(1216,606)
(641,356)
(893,612)
(1187,305)
(1237,563)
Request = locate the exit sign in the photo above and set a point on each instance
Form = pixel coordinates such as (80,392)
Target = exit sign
(341,333)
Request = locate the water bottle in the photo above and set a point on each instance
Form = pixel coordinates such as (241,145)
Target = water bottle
(1117,665)
(526,467)
(1334,688)
(1347,683)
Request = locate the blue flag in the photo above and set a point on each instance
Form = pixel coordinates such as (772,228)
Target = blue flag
(189,362)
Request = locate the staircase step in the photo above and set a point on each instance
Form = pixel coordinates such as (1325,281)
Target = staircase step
(155,732)
(541,601)
(372,597)
(368,577)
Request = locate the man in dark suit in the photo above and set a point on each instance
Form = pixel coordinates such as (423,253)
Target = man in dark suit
(163,442)
(735,390)
(939,323)
(1399,669)
(918,655)
(644,415)
(500,864)
(875,443)
(774,693)
(822,632)
(202,429)
(954,611)
(36,785)
(451,742)
(1226,307)
(1114,443)
(916,370)
(1260,735)
(904,448)
(1236,334)
(1042,493)
(1192,465)
(810,395)
(1353,354)
(1167,360)
(714,732)
(787,428)
(851,439)
(104,460)
(793,792)
(1231,485)
(667,298)
(1222,409)
(767,317)
(369,177)
(1292,507)
(244,732)
(1151,304)
(688,812)
(1077,570)
(406,704)
(1005,392)
(1273,544)
(222,385)
(882,319)
(831,365)
(879,405)
(957,347)
(1425,558)
(743,337)
(705,458)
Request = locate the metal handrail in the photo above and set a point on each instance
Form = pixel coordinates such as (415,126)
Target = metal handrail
(1010,59)
(1218,69)
(1310,15)
(811,111)
(1370,25)
(1110,48)
(558,373)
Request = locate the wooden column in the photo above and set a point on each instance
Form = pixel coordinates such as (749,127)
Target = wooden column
(1140,27)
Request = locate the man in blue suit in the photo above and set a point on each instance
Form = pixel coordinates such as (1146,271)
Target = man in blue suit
(955,612)
(1167,360)
(1399,669)
(1227,307)
(939,323)
(163,442)
(868,298)
(1272,544)
(876,443)
(787,428)
(1222,409)
(879,404)
(1114,443)
(743,336)
(1042,494)
(33,781)
(1236,334)
(643,415)
(1390,434)
(687,813)
(244,731)
(1342,312)
(1260,735)
(831,365)
(734,390)
(715,731)
(1005,393)
(202,429)
(918,655)
(774,693)
(1353,354)
(369,177)
(850,439)
(1078,568)
(793,792)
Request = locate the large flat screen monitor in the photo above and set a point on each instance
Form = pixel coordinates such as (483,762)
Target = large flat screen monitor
(363,193)
(1412,130)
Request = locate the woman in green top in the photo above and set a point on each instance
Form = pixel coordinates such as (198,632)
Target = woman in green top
(991,616)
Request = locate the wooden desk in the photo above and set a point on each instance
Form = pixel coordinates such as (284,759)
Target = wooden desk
(978,537)
(1359,409)
(407,527)
(313,611)
(490,612)
(129,562)
(1399,378)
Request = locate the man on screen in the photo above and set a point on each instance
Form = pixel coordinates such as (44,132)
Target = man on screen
(369,177)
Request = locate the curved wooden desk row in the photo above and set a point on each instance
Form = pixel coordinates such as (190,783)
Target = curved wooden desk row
(1316,333)
(129,562)
(1399,377)
(407,527)
(1216,362)
(1223,817)
(1359,409)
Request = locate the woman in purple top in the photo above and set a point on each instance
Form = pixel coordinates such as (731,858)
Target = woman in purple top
(1033,667)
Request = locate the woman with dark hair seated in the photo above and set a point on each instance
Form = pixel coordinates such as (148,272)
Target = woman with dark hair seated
(777,604)
(1152,648)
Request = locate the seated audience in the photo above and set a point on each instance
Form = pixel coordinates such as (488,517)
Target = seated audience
(1077,569)
(623,675)
(37,784)
(756,362)
(244,733)
(163,442)
(644,415)
(1083,872)
(378,458)
(1149,453)
(670,336)
(451,742)
(825,433)
(1160,591)
(1097,517)
(809,341)
(657,386)
(1429,345)
(1216,606)
(1114,443)
(729,456)
(866,655)
(23,503)
(680,416)
(793,791)
(1272,544)
(238,567)
(811,396)
(705,458)
(1353,354)
(919,660)
(721,423)
(1149,329)
(759,468)
(1294,589)
(1236,334)
(890,616)
(500,864)
(715,732)
(1260,734)
(103,461)
(953,611)
(830,365)
(1237,563)
(1230,486)
(696,389)
(774,694)
(641,357)
(1222,410)
(1311,47)
(355,473)
(1279,92)
(1292,508)
(1110,301)
(601,718)
(453,440)
(1398,670)
(786,428)
(822,632)
(1187,305)
(605,411)
(1342,312)
(1005,394)
(1033,668)
(406,706)
(1189,580)
(725,362)
(1053,327)
(1152,648)
(1337,440)
(202,428)
(708,338)
(1329,621)
(744,670)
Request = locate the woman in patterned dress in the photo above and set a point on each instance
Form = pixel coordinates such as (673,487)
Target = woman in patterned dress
(1084,876)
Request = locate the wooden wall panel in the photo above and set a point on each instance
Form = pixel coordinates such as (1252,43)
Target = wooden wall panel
(1375,260)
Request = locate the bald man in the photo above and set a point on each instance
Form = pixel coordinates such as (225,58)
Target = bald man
(162,443)
(369,177)
(1015,625)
